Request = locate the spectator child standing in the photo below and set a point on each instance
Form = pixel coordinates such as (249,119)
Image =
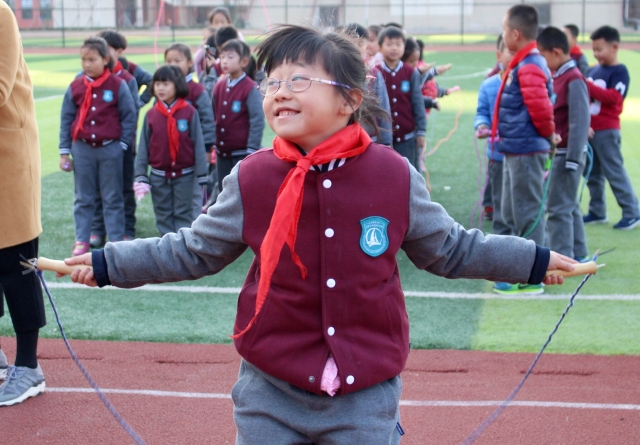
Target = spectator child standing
(171,144)
(97,125)
(524,121)
(483,122)
(238,108)
(575,52)
(571,116)
(327,316)
(375,57)
(117,43)
(220,17)
(201,56)
(608,84)
(408,116)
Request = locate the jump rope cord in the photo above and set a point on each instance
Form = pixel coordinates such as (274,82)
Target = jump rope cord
(587,174)
(453,129)
(484,425)
(123,423)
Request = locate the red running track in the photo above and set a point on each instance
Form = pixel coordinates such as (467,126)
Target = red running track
(63,415)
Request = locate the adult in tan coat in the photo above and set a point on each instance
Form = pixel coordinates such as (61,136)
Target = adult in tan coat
(19,215)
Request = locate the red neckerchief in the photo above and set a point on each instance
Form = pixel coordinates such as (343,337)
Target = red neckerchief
(172,128)
(575,50)
(519,57)
(350,141)
(88,98)
(117,67)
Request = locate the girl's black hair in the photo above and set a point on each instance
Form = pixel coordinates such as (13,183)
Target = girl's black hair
(114,39)
(99,45)
(391,32)
(336,53)
(182,49)
(410,46)
(225,34)
(170,73)
(375,29)
(421,46)
(220,10)
(355,30)
(236,46)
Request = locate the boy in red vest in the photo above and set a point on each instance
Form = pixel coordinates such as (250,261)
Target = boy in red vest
(575,52)
(571,116)
(524,120)
(608,84)
(237,105)
(404,87)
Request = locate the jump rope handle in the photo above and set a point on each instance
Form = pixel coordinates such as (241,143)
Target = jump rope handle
(581,269)
(59,266)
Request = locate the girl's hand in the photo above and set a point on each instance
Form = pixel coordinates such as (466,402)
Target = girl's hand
(443,68)
(559,262)
(421,143)
(84,276)
(66,163)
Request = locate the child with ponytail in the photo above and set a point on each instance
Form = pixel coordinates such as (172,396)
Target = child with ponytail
(321,324)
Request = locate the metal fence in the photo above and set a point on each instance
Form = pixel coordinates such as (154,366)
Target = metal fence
(46,23)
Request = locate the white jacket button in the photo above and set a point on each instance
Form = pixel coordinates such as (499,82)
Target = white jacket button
(350,380)
(326,183)
(331,283)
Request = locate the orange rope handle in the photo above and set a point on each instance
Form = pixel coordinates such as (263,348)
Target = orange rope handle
(451,132)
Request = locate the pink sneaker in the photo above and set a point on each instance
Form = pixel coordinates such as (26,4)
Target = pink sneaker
(80,248)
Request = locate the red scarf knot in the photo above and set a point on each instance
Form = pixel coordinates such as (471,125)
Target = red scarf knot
(283,228)
(88,99)
(172,126)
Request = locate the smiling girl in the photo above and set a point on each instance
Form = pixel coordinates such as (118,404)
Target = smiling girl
(321,324)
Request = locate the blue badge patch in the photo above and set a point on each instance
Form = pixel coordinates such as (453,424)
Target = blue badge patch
(183,125)
(236,106)
(374,240)
(405,86)
(107,95)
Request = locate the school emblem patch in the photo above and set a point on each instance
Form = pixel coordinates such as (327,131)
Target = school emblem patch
(374,240)
(183,125)
(107,95)
(236,106)
(405,86)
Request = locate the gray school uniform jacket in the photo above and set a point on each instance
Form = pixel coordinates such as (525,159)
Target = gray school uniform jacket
(433,242)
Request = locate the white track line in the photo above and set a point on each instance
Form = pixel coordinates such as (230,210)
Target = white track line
(471,296)
(412,403)
(43,99)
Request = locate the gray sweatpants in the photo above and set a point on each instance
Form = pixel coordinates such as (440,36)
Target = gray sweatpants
(269,410)
(495,185)
(409,150)
(564,223)
(172,202)
(522,187)
(97,171)
(608,163)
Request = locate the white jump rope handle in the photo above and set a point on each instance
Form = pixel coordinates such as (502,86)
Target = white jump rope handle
(581,269)
(59,266)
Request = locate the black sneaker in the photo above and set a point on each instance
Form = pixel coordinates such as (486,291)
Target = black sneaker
(590,218)
(627,224)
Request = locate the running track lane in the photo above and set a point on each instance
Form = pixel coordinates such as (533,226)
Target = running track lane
(72,418)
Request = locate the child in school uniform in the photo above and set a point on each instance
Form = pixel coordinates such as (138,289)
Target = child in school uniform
(326,317)
(171,145)
(97,125)
(608,84)
(238,109)
(524,121)
(572,32)
(484,117)
(408,116)
(571,116)
(116,43)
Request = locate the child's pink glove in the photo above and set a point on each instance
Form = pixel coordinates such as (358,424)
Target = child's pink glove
(141,189)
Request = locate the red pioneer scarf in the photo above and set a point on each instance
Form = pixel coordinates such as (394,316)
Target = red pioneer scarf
(575,51)
(117,67)
(348,142)
(88,97)
(519,56)
(172,127)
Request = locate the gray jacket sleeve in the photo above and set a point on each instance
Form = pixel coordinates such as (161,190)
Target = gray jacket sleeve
(213,241)
(417,102)
(386,134)
(195,131)
(128,114)
(428,75)
(583,65)
(143,77)
(209,81)
(436,243)
(142,158)
(579,121)
(256,119)
(67,115)
(133,87)
(205,110)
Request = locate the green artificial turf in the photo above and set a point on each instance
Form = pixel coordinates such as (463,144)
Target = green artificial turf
(603,327)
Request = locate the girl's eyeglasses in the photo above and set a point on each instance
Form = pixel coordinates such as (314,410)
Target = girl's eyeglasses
(297,83)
